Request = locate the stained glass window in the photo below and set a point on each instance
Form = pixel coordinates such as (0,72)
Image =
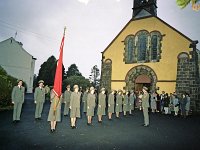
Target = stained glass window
(130,50)
(142,46)
(154,47)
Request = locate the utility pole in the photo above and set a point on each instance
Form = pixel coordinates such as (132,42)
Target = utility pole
(15,35)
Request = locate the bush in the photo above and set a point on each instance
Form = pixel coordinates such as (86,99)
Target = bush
(7,83)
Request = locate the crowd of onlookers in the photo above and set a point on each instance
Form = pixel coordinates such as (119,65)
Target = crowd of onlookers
(167,103)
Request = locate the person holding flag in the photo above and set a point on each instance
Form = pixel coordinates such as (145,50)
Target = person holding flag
(56,93)
(55,111)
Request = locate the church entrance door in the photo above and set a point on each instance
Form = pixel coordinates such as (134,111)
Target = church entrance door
(141,81)
(140,76)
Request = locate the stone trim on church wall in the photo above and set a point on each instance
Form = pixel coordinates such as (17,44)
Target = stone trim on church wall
(134,72)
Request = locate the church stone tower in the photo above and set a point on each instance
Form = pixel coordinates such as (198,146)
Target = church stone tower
(143,8)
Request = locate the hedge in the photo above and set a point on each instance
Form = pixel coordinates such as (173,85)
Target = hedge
(7,83)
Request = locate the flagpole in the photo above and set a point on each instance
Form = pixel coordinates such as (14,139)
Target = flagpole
(65,28)
(58,77)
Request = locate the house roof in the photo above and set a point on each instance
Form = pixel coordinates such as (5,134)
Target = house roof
(19,43)
(145,18)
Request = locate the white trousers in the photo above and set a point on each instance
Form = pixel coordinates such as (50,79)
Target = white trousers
(166,109)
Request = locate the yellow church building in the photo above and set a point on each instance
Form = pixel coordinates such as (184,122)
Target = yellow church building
(144,53)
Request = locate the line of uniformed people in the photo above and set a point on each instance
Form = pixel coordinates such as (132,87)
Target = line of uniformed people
(116,103)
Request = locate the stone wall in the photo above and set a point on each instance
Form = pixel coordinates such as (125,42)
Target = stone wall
(106,72)
(188,79)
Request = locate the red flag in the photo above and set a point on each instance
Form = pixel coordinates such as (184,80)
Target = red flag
(57,88)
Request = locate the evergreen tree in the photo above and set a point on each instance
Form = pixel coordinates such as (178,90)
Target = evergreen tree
(47,71)
(79,80)
(73,71)
(94,77)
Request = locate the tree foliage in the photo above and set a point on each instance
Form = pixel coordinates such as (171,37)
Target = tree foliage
(73,71)
(7,83)
(183,3)
(94,76)
(79,80)
(47,71)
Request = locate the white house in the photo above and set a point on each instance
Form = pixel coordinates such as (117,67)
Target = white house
(17,61)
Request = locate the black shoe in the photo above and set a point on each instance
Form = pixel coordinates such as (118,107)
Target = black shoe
(51,130)
(17,121)
(40,118)
(74,127)
(89,124)
(36,119)
(14,121)
(66,115)
(110,119)
(146,125)
(99,121)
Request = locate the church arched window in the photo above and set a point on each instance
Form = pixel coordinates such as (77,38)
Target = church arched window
(142,46)
(129,49)
(155,45)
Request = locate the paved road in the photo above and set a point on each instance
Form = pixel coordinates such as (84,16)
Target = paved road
(165,132)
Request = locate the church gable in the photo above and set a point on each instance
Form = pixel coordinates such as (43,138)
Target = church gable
(142,13)
(136,28)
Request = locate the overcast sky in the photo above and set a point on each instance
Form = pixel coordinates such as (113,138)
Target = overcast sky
(91,26)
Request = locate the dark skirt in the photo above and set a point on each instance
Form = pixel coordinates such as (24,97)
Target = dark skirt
(101,111)
(75,112)
(84,106)
(125,107)
(118,108)
(111,108)
(90,111)
(54,115)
